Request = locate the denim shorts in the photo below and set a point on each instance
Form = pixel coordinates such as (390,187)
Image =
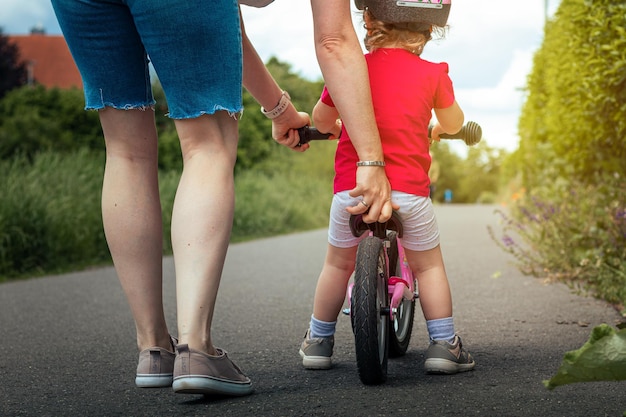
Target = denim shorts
(194,46)
(419,223)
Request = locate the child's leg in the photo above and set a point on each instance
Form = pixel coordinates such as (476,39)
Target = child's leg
(445,354)
(434,289)
(331,289)
(317,347)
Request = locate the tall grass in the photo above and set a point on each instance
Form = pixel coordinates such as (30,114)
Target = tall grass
(50,214)
(271,205)
(291,192)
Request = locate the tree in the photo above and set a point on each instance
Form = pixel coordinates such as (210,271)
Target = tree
(480,179)
(475,179)
(12,73)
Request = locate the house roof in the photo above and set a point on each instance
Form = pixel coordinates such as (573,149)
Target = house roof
(48,60)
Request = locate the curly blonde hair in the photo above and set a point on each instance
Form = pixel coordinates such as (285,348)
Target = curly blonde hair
(390,35)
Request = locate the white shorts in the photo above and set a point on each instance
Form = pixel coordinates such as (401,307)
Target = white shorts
(421,232)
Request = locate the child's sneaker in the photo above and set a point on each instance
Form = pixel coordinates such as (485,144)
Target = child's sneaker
(317,351)
(445,358)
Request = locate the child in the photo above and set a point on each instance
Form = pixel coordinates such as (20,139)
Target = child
(405,90)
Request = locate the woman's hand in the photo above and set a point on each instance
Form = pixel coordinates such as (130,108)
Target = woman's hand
(285,126)
(373,187)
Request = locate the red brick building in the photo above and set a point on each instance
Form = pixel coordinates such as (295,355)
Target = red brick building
(48,60)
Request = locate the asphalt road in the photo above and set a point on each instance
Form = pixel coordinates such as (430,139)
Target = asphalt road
(67,343)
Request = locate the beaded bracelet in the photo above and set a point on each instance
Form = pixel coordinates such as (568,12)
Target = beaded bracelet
(370,164)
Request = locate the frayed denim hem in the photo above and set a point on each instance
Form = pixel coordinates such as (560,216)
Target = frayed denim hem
(234,113)
(142,107)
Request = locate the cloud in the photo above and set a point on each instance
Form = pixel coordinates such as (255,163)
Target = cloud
(497,108)
(285,30)
(507,95)
(20,16)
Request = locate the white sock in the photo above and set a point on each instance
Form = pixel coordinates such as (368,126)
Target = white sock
(321,328)
(441,329)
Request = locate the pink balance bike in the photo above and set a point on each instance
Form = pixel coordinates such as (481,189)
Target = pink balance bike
(383,293)
(381,298)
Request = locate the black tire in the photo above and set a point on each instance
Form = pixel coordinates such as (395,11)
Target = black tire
(369,320)
(401,327)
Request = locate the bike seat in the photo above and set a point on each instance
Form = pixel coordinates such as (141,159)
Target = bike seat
(358,226)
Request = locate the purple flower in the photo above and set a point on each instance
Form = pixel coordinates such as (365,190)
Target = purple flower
(508,241)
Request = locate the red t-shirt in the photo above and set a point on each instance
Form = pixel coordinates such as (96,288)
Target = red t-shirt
(405,90)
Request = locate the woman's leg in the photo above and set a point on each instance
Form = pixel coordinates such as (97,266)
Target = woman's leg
(202,221)
(131,213)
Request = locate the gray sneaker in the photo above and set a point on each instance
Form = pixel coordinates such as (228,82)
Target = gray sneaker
(317,351)
(156,366)
(196,372)
(445,358)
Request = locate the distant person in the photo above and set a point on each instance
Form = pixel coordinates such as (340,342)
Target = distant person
(405,90)
(447,195)
(196,49)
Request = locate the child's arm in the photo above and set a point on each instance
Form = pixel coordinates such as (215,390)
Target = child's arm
(326,119)
(449,120)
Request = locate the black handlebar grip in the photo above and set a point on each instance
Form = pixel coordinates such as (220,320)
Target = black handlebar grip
(471,133)
(308,133)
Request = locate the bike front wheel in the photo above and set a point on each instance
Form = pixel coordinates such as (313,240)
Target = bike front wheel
(369,308)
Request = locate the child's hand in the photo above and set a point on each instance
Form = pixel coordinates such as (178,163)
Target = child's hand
(435,132)
(335,132)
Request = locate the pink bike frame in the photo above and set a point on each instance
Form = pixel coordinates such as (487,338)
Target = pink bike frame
(399,288)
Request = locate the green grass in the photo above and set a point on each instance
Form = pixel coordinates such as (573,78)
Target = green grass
(50,215)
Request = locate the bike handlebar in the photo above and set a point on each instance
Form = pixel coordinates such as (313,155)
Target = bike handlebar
(471,133)
(309,133)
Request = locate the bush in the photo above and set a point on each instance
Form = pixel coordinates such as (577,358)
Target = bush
(35,119)
(570,225)
(574,117)
(50,213)
(572,233)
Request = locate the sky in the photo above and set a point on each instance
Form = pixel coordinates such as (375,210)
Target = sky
(489,47)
